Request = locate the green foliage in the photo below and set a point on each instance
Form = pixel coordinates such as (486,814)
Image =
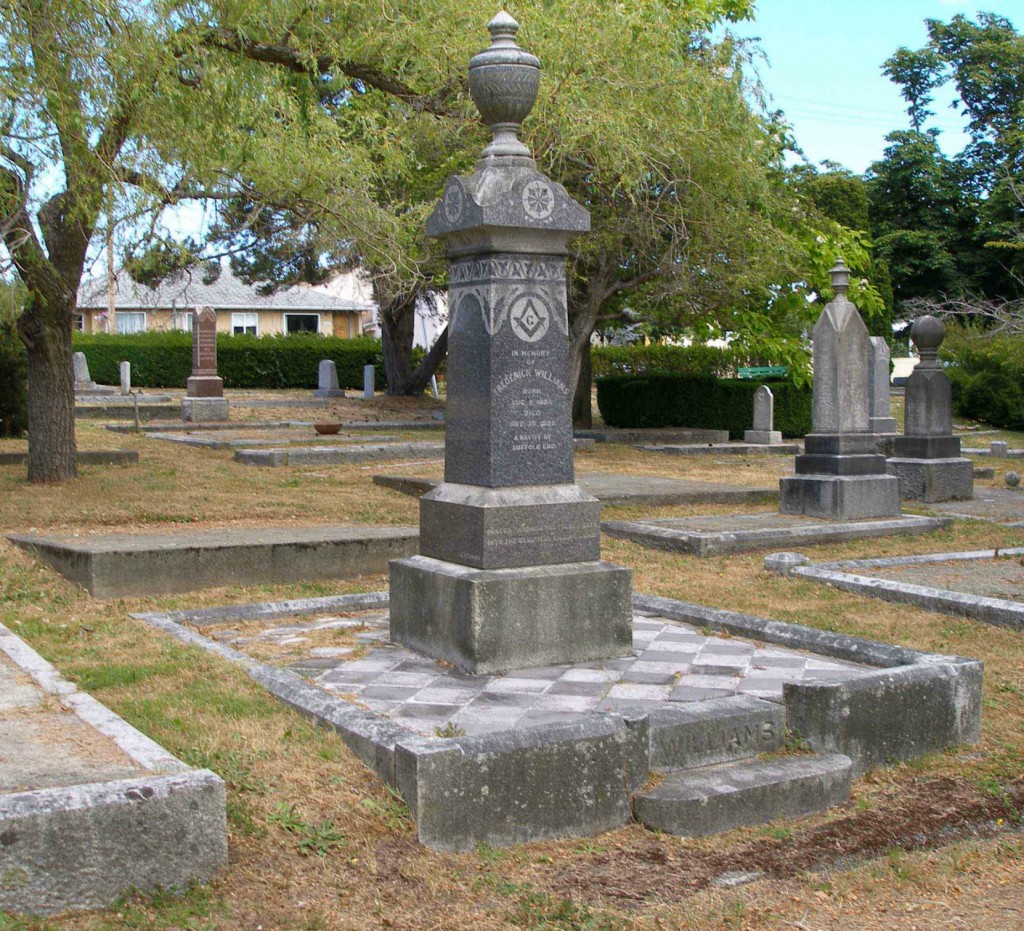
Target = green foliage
(665,400)
(697,359)
(164,359)
(987,375)
(13,381)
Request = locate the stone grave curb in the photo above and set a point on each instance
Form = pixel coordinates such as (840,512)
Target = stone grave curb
(175,563)
(162,830)
(725,449)
(997,611)
(278,424)
(85,457)
(333,456)
(710,543)
(446,778)
(202,442)
(916,703)
(115,411)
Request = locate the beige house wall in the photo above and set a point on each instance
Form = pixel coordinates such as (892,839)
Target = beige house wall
(344,324)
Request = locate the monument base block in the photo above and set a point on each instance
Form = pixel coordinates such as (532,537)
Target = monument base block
(932,480)
(205,386)
(200,410)
(840,497)
(504,528)
(329,393)
(762,437)
(497,620)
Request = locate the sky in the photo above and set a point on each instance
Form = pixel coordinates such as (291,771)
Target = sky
(824,70)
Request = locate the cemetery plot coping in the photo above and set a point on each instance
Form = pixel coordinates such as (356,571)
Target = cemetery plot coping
(564,750)
(912,580)
(89,807)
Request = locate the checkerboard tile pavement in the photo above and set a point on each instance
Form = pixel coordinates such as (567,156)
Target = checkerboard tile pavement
(671,662)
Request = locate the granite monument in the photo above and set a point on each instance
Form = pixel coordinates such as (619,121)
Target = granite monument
(840,475)
(509,573)
(327,381)
(926,459)
(880,421)
(205,388)
(764,431)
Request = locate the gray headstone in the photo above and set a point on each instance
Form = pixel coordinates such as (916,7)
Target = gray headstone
(998,448)
(369,381)
(509,516)
(880,420)
(82,377)
(126,377)
(764,409)
(929,397)
(327,380)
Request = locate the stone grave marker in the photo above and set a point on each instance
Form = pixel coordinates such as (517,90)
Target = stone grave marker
(84,385)
(880,421)
(205,388)
(327,381)
(509,574)
(764,431)
(126,377)
(927,457)
(369,381)
(840,476)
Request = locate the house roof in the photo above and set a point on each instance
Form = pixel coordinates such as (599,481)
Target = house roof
(186,290)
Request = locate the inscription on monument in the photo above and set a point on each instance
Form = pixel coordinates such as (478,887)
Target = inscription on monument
(204,342)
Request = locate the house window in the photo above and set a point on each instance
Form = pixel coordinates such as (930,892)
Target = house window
(244,323)
(131,321)
(182,320)
(78,322)
(302,323)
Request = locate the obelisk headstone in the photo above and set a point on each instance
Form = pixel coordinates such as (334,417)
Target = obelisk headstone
(840,476)
(205,388)
(509,574)
(927,457)
(764,431)
(327,380)
(880,421)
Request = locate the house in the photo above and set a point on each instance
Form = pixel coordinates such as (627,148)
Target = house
(240,308)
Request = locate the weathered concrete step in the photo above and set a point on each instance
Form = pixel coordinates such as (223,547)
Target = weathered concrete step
(686,735)
(719,798)
(116,565)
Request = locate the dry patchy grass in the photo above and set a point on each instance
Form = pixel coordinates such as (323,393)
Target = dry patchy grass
(316,842)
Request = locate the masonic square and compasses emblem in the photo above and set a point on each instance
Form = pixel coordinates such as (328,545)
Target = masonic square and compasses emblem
(530,317)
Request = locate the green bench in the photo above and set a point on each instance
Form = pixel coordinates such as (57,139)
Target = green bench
(763,371)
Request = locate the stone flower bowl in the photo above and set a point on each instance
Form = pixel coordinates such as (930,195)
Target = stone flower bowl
(326,428)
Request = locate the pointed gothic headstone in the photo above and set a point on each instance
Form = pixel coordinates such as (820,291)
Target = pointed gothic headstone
(840,475)
(205,388)
(509,574)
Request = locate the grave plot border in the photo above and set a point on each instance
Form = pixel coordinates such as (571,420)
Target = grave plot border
(850,575)
(511,786)
(82,846)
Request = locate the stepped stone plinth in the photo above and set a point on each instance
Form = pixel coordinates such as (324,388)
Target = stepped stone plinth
(509,572)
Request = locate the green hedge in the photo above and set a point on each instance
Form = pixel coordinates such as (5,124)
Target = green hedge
(13,381)
(681,360)
(164,359)
(987,376)
(699,402)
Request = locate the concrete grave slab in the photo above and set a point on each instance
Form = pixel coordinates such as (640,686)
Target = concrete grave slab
(740,533)
(83,457)
(563,750)
(117,565)
(999,505)
(726,449)
(987,585)
(89,807)
(612,488)
(367,452)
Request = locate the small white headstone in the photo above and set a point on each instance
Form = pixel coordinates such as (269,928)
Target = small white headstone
(764,419)
(126,378)
(369,381)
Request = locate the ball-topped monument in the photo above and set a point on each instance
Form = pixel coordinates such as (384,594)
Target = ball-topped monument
(509,572)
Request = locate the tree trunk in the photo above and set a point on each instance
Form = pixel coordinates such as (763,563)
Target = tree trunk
(51,394)
(582,406)
(398,326)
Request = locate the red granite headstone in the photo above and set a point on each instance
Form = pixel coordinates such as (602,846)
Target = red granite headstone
(204,383)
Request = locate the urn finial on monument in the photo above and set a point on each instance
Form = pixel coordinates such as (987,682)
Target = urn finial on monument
(504,80)
(840,277)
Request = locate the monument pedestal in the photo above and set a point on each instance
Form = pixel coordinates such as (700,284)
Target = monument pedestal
(762,437)
(932,480)
(840,477)
(498,620)
(201,410)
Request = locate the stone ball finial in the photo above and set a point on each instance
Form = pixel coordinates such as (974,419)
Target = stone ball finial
(840,277)
(928,332)
(503,81)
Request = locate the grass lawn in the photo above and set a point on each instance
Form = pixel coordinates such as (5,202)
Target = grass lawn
(317,842)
